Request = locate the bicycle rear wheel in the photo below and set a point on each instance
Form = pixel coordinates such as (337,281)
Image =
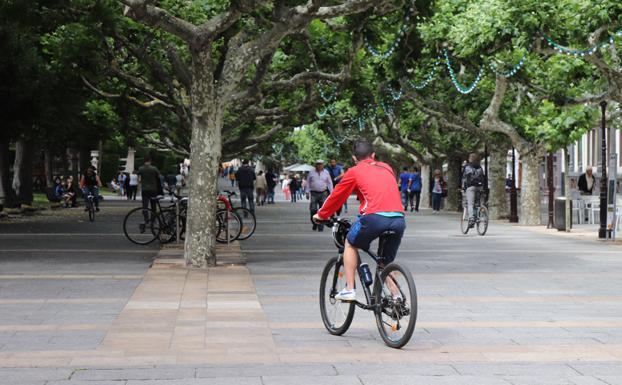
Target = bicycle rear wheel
(231,220)
(482,221)
(249,222)
(464,220)
(168,229)
(336,314)
(141,226)
(397,297)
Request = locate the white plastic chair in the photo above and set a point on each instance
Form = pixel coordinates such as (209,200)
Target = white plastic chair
(577,210)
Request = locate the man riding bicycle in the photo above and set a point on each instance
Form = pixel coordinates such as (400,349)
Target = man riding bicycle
(473,180)
(90,183)
(380,210)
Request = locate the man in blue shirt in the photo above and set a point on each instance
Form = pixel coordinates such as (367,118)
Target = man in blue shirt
(405,186)
(336,173)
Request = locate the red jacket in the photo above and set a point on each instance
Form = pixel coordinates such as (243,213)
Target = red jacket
(374,183)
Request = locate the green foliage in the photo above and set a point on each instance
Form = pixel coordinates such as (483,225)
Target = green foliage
(309,144)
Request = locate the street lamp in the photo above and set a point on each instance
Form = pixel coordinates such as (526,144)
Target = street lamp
(602,230)
(513,197)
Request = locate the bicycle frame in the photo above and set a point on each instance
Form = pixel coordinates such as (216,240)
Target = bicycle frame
(370,305)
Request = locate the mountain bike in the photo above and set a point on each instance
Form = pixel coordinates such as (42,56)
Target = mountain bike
(390,292)
(249,221)
(480,208)
(144,225)
(90,205)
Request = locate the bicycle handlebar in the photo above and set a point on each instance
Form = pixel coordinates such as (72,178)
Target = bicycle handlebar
(328,222)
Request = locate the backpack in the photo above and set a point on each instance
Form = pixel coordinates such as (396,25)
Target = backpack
(474,176)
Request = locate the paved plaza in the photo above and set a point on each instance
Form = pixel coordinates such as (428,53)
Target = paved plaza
(80,305)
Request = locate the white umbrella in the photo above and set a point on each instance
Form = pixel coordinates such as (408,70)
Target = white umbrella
(301,168)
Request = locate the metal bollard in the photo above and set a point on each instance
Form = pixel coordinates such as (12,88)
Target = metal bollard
(177,221)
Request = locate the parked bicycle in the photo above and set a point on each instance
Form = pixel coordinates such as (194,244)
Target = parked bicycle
(229,223)
(480,212)
(249,221)
(392,297)
(144,225)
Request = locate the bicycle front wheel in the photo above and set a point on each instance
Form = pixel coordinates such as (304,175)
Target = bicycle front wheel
(142,226)
(336,314)
(249,222)
(91,212)
(464,220)
(482,221)
(227,220)
(396,296)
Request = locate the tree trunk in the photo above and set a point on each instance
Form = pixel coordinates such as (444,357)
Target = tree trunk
(530,189)
(22,172)
(205,148)
(7,196)
(498,198)
(425,186)
(453,183)
(47,166)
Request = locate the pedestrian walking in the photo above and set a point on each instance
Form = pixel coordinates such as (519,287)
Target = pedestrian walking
(415,189)
(245,177)
(271,180)
(260,188)
(285,187)
(404,182)
(439,190)
(121,182)
(293,188)
(133,186)
(320,185)
(232,176)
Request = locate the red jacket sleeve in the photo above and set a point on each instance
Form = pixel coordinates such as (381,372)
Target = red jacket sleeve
(340,194)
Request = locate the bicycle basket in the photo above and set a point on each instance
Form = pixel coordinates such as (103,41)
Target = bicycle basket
(340,231)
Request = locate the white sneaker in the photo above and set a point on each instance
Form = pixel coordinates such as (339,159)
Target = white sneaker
(346,295)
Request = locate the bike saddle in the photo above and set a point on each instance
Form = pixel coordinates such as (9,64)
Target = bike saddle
(229,192)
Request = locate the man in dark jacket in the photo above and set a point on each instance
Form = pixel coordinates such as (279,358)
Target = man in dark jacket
(587,181)
(271,179)
(246,182)
(472,182)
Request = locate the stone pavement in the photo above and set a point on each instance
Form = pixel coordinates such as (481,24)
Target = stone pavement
(514,307)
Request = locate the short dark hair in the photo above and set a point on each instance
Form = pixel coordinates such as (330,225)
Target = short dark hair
(363,149)
(405,168)
(245,161)
(147,158)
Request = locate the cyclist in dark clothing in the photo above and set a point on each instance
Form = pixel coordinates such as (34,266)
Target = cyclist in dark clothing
(90,183)
(472,182)
(246,182)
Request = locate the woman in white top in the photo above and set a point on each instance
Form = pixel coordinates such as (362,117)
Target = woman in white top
(133,186)
(285,187)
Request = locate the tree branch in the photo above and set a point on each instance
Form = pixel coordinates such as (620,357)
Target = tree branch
(143,11)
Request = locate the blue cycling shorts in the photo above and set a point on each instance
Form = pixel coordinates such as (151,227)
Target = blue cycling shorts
(369,227)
